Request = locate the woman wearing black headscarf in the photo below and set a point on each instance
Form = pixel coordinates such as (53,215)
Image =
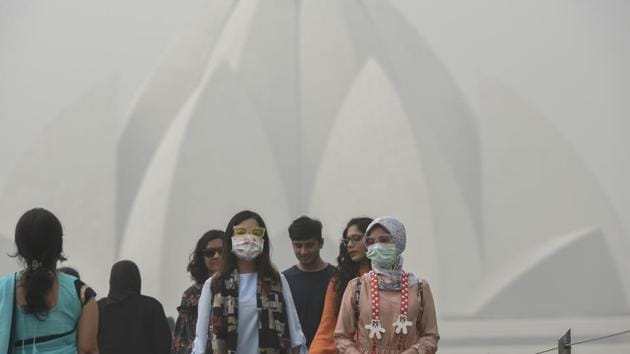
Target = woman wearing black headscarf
(130,322)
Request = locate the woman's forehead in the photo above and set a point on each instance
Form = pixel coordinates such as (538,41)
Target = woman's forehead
(251,222)
(378,230)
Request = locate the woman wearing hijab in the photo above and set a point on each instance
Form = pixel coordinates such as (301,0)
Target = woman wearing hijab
(248,302)
(43,310)
(130,322)
(351,262)
(387,310)
(204,262)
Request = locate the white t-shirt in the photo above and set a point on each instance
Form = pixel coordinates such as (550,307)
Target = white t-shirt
(247,309)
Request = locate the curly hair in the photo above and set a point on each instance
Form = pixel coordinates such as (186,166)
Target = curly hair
(196,265)
(346,268)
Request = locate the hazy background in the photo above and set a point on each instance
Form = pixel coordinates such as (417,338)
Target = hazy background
(496,131)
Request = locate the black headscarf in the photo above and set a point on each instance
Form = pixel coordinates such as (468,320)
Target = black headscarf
(124,281)
(129,322)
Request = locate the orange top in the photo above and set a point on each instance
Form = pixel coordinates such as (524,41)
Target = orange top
(324,342)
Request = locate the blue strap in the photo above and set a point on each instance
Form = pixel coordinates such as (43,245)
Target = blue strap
(12,333)
(21,342)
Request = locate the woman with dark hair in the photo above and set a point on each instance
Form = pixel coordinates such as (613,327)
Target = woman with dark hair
(387,310)
(248,302)
(130,322)
(351,263)
(204,262)
(41,309)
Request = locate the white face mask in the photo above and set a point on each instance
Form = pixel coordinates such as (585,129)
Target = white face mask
(247,247)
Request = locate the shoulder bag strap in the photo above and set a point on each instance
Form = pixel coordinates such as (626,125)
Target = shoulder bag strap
(13,324)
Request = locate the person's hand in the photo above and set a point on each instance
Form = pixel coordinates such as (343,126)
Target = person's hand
(410,351)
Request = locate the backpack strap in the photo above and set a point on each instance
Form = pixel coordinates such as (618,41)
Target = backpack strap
(84,293)
(13,319)
(421,297)
(37,340)
(357,295)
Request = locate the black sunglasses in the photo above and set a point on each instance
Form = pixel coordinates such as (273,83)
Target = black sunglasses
(210,252)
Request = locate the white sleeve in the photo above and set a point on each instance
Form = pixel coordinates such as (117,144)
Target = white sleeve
(295,329)
(203,319)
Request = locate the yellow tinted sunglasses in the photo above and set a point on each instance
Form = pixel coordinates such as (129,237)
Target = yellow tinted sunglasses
(242,231)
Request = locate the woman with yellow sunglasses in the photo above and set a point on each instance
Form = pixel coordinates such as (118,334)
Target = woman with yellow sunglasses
(248,302)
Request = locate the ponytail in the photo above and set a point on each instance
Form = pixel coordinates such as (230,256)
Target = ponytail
(38,238)
(37,281)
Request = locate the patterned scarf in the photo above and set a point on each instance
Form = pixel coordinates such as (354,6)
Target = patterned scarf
(273,331)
